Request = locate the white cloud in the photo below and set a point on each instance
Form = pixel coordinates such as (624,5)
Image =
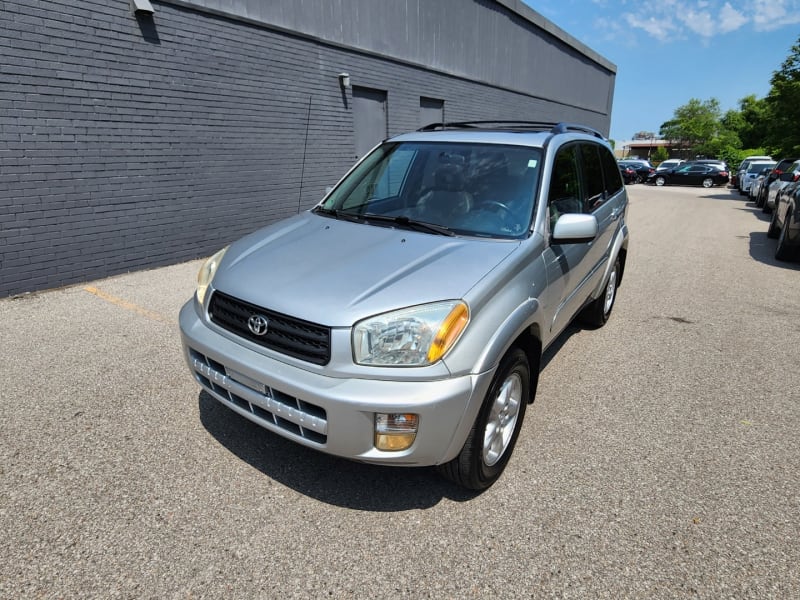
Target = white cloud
(683,19)
(730,19)
(700,22)
(774,14)
(660,29)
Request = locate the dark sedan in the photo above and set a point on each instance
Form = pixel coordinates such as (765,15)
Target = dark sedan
(691,174)
(628,174)
(643,168)
(785,224)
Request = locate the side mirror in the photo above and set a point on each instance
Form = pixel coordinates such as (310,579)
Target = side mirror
(575,229)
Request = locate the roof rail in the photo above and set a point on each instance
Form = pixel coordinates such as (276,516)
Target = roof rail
(514,126)
(565,127)
(497,124)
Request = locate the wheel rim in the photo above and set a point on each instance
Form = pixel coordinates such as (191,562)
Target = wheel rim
(611,289)
(502,419)
(660,181)
(707,183)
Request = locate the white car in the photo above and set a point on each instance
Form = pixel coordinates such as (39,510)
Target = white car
(752,172)
(668,164)
(737,177)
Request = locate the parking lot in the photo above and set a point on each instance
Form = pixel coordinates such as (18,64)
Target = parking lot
(660,459)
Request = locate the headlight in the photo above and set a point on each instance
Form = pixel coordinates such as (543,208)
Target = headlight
(206,273)
(411,337)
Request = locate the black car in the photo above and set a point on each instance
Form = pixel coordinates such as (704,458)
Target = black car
(785,223)
(628,174)
(691,174)
(643,168)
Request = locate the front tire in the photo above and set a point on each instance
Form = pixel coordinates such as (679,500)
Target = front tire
(493,435)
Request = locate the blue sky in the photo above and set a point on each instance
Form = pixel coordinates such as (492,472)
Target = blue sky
(669,51)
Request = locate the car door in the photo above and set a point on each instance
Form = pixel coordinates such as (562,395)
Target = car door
(689,175)
(578,185)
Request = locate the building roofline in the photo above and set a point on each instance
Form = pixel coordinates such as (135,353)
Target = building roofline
(540,21)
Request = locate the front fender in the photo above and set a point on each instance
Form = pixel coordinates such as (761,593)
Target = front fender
(526,315)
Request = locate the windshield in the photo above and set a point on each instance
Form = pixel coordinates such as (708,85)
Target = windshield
(464,188)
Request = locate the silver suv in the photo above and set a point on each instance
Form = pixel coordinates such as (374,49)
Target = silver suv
(402,320)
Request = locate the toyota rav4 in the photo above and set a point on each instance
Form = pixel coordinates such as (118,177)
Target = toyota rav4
(402,320)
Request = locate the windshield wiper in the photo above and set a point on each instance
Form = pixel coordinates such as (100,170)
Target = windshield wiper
(338,214)
(404,221)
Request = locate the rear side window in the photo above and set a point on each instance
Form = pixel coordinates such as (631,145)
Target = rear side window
(611,174)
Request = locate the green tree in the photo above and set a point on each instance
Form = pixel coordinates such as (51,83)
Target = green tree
(660,155)
(783,131)
(754,120)
(693,124)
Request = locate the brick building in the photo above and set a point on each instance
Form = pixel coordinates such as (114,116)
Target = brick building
(134,140)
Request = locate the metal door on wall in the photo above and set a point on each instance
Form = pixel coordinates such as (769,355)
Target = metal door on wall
(369,118)
(431,110)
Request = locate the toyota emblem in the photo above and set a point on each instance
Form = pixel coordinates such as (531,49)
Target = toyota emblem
(258,324)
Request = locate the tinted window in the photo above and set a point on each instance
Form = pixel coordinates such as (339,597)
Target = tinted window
(613,181)
(592,177)
(564,195)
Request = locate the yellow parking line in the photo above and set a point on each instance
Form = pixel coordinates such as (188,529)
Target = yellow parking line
(127,305)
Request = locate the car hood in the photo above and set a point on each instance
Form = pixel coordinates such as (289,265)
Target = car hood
(335,273)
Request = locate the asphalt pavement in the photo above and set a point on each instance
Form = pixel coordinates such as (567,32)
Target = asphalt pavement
(660,459)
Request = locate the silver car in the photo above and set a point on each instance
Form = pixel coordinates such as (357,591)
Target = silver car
(402,320)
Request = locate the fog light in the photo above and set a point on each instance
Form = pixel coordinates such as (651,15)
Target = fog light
(395,431)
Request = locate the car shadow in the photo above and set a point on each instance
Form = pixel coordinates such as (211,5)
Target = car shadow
(762,249)
(324,477)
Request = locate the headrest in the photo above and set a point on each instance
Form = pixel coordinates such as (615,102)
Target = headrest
(449,177)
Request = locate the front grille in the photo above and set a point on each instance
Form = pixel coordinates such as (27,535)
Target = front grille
(266,406)
(287,335)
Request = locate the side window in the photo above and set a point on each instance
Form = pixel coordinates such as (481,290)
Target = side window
(592,177)
(611,174)
(564,195)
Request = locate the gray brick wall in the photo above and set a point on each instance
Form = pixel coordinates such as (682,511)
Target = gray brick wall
(124,146)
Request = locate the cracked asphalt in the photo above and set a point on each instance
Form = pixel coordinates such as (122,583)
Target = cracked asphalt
(660,459)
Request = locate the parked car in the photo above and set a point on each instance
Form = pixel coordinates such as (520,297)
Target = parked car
(628,174)
(781,167)
(790,175)
(752,171)
(715,162)
(737,176)
(402,320)
(785,223)
(643,168)
(691,173)
(668,164)
(755,187)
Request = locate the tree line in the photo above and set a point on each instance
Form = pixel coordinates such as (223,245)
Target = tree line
(769,125)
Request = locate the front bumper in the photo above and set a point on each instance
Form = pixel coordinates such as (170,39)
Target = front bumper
(331,414)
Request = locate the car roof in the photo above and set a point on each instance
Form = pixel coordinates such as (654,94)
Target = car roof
(513,133)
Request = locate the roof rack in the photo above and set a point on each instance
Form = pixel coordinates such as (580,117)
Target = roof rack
(514,126)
